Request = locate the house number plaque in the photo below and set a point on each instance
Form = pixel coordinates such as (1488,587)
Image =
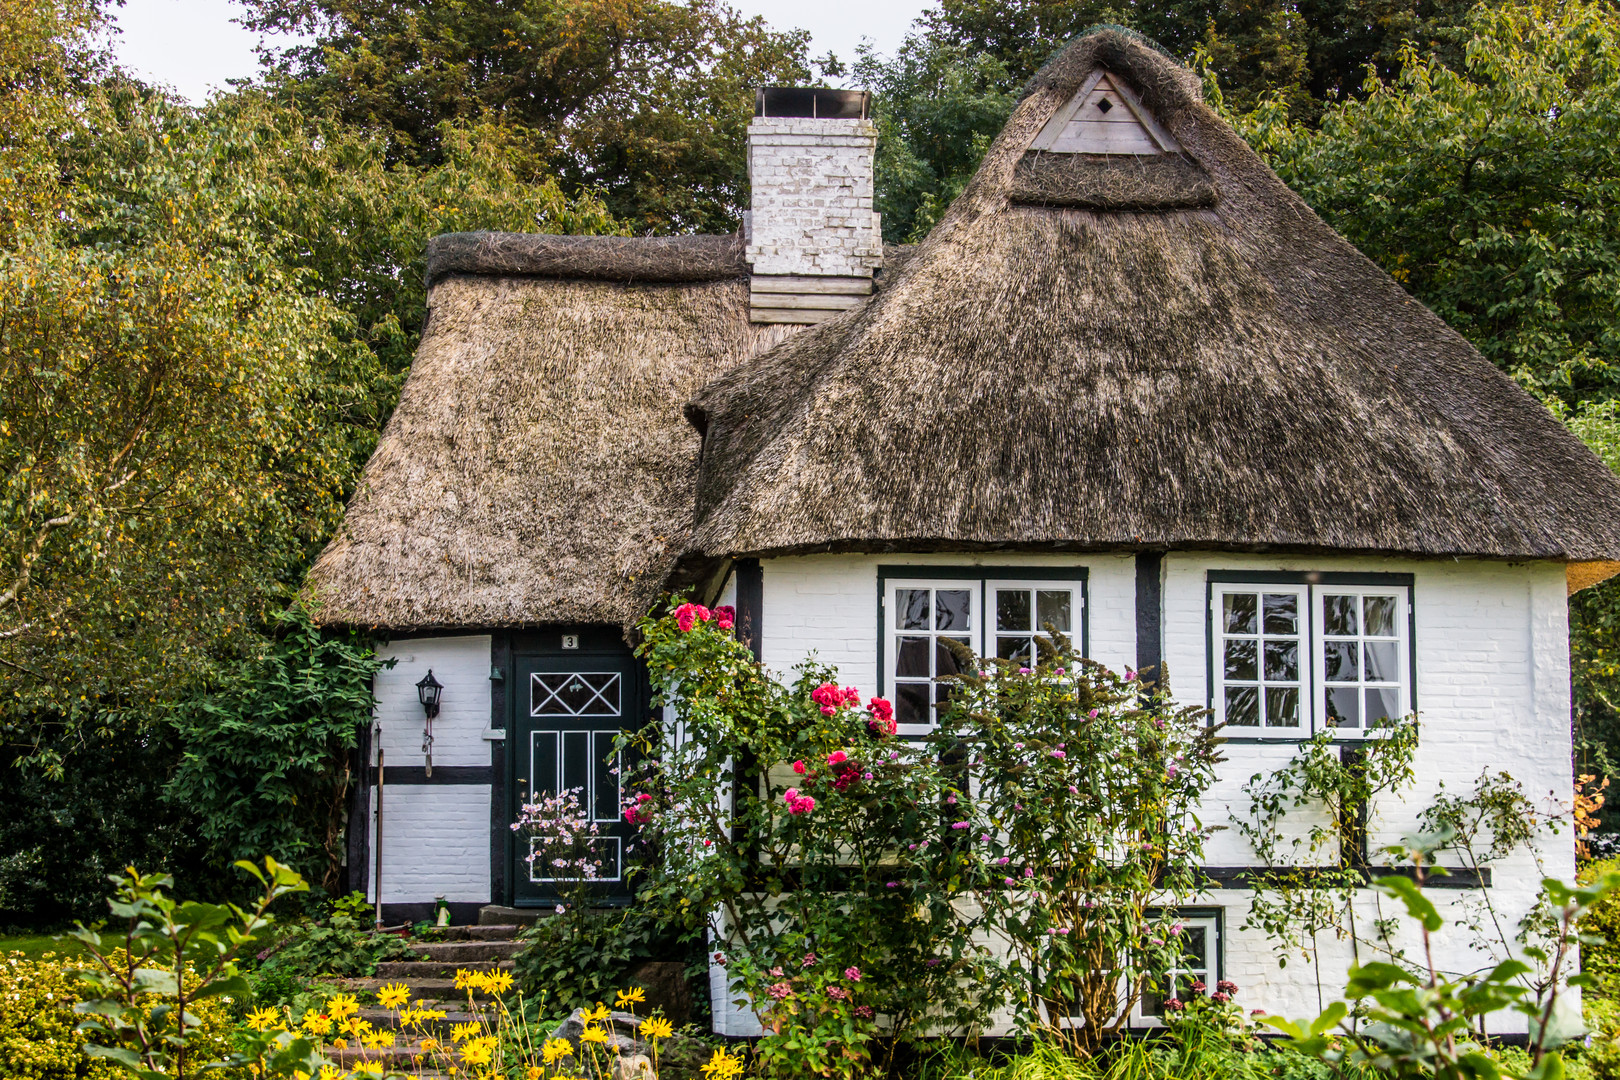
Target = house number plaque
(570,641)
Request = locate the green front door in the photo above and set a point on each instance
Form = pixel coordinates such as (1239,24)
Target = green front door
(571,707)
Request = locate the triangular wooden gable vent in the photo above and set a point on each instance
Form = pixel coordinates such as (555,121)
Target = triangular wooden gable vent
(1105,117)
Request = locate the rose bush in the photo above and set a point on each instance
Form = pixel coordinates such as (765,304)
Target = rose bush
(849,878)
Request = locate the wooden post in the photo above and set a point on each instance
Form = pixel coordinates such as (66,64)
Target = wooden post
(377,877)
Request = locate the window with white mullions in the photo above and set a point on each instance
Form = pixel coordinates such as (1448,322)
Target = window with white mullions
(1195,972)
(1364,655)
(925,616)
(1025,612)
(1260,637)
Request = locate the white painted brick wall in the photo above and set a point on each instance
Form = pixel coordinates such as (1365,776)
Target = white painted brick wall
(461,664)
(1492,686)
(436,840)
(436,837)
(811,204)
(827,604)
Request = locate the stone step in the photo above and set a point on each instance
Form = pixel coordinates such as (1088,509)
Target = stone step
(489,932)
(392,970)
(493,914)
(460,952)
(431,990)
(385,1019)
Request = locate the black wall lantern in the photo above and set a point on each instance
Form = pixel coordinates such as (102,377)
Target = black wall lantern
(428,691)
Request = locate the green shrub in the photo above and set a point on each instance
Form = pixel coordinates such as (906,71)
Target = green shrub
(1602,960)
(343,945)
(580,957)
(39,1036)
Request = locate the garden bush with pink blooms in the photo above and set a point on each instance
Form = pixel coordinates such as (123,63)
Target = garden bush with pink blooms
(849,877)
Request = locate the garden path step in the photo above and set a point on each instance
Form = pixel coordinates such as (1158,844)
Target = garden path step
(463,951)
(431,989)
(384,1019)
(391,970)
(497,932)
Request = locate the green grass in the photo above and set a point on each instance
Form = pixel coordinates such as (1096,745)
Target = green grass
(34,945)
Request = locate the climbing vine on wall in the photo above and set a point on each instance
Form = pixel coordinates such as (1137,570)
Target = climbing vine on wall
(1310,873)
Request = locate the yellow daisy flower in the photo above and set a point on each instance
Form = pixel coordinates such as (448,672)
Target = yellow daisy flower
(535,1073)
(593,1035)
(393,995)
(340,1005)
(601,1012)
(722,1066)
(554,1050)
(633,996)
(656,1027)
(263,1019)
(462,975)
(317,1023)
(498,982)
(429,1045)
(463,1032)
(472,1054)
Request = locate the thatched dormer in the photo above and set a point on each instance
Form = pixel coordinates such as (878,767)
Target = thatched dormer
(1127,332)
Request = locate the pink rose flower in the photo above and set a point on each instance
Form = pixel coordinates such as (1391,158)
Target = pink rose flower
(853,974)
(837,757)
(798,767)
(689,615)
(725,617)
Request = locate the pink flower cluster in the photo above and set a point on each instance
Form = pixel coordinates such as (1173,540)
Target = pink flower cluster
(639,812)
(689,615)
(831,698)
(796,803)
(882,723)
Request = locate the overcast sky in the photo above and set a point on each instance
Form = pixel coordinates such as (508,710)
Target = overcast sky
(194,47)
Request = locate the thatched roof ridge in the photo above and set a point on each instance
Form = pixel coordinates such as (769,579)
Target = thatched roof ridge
(1227,374)
(593,258)
(537,469)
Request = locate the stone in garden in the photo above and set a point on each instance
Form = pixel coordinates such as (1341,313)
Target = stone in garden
(666,988)
(633,1067)
(622,1029)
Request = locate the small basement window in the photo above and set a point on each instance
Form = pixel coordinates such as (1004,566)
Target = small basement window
(1196,973)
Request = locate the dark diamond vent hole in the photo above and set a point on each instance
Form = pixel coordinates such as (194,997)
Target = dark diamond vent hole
(1105,104)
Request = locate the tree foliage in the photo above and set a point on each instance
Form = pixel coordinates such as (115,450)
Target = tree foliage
(948,90)
(645,101)
(1491,192)
(266,761)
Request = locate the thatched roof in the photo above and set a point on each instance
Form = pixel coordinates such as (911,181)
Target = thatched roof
(537,469)
(1169,352)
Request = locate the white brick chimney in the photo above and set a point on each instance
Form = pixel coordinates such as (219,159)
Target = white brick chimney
(812,239)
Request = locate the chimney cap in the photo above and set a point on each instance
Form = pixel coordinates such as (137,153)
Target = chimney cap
(817,102)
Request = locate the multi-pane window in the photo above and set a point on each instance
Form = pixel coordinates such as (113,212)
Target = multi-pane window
(991,616)
(1195,972)
(926,619)
(1261,650)
(1026,613)
(1288,659)
(1363,656)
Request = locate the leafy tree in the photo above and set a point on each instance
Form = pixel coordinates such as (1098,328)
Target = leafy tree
(266,754)
(644,100)
(950,88)
(1492,192)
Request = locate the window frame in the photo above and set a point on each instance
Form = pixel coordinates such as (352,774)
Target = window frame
(1315,584)
(1213,921)
(981,579)
(1305,635)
